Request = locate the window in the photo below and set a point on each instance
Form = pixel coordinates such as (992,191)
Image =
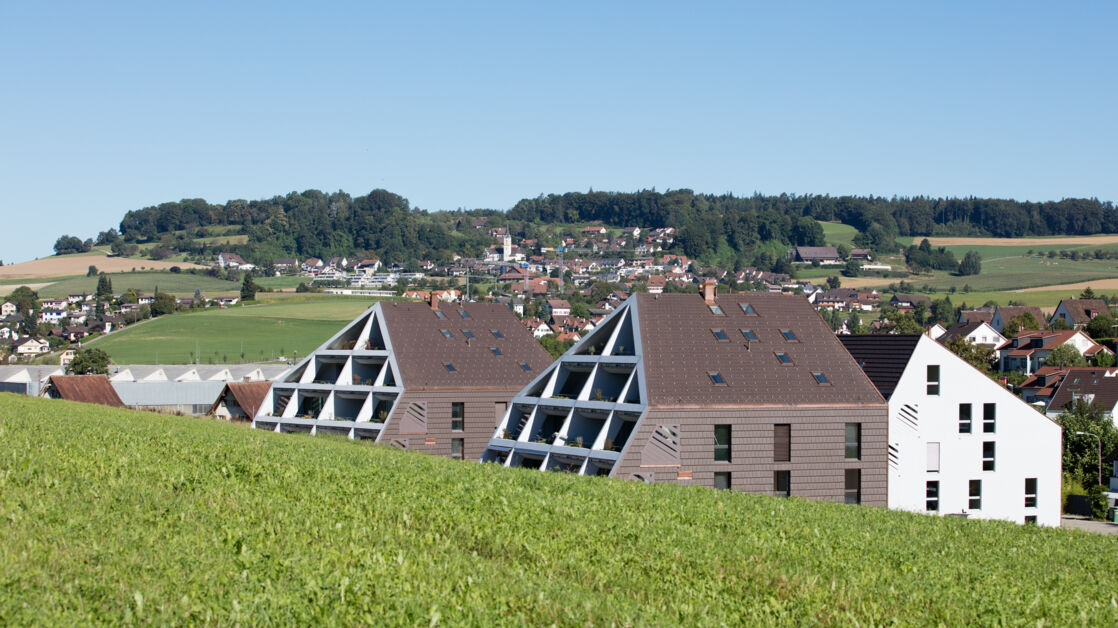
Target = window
(789,335)
(439,314)
(931,497)
(933,379)
(853,441)
(722,480)
(496,333)
(976,494)
(716,310)
(450,367)
(748,309)
(782,442)
(467,333)
(525,366)
(750,335)
(1030,493)
(784,359)
(821,379)
(988,455)
(446,333)
(716,378)
(782,483)
(457,416)
(989,417)
(457,448)
(1030,518)
(964,418)
(933,457)
(463,313)
(496,351)
(853,492)
(722,435)
(720,335)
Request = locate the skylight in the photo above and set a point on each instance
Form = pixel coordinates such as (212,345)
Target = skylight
(496,333)
(750,335)
(467,333)
(450,367)
(716,310)
(440,314)
(463,313)
(495,351)
(720,334)
(525,366)
(784,358)
(716,378)
(789,335)
(748,309)
(821,379)
(446,333)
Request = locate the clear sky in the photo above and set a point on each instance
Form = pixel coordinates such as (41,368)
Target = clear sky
(108,107)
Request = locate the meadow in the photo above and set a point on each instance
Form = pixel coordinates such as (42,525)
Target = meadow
(116,516)
(179,284)
(259,332)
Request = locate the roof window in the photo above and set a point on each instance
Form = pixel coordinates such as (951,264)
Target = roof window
(450,367)
(716,310)
(496,333)
(467,333)
(720,335)
(789,335)
(446,333)
(750,335)
(748,309)
(495,351)
(440,314)
(463,313)
(821,379)
(784,358)
(716,378)
(524,365)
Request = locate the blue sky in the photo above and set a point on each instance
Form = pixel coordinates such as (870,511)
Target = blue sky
(109,107)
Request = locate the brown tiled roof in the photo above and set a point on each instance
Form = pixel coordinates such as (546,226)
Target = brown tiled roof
(1100,382)
(977,316)
(812,252)
(248,395)
(679,352)
(86,389)
(421,351)
(883,357)
(1009,311)
(1083,310)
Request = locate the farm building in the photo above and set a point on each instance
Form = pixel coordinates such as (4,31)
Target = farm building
(432,377)
(959,442)
(749,391)
(186,388)
(82,388)
(240,400)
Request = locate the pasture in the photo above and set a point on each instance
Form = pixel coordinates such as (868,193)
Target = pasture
(179,284)
(249,333)
(115,516)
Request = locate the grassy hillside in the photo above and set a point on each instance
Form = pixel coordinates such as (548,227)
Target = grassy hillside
(117,516)
(181,284)
(261,331)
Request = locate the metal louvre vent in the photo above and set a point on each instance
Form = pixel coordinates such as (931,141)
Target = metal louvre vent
(662,448)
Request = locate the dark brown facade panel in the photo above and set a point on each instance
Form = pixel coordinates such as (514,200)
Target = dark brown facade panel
(478,421)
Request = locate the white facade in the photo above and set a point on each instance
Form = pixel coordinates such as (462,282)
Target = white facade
(926,444)
(985,334)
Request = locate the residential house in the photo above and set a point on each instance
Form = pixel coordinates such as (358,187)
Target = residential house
(960,443)
(8,309)
(284,264)
(240,400)
(427,377)
(30,346)
(862,255)
(656,283)
(51,316)
(54,304)
(935,331)
(338,263)
(230,260)
(908,302)
(558,308)
(976,333)
(76,299)
(1028,351)
(1078,312)
(1097,386)
(980,315)
(537,327)
(1005,313)
(596,230)
(367,266)
(313,265)
(632,232)
(821,254)
(748,391)
(1042,384)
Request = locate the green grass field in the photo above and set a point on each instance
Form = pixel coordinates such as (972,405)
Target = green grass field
(181,284)
(836,233)
(114,517)
(262,332)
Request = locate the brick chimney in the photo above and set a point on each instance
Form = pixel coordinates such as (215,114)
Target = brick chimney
(433,299)
(709,291)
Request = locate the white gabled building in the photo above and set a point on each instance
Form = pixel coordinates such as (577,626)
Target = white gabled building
(960,443)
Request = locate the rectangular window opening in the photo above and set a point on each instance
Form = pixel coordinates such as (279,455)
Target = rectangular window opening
(463,313)
(748,309)
(439,314)
(450,367)
(932,496)
(716,378)
(457,416)
(975,495)
(717,310)
(750,335)
(496,351)
(457,448)
(722,480)
(782,442)
(782,483)
(789,335)
(496,333)
(722,436)
(933,379)
(784,358)
(989,417)
(853,492)
(467,333)
(964,418)
(525,366)
(933,457)
(853,441)
(821,379)
(1030,492)
(720,335)
(988,455)
(446,333)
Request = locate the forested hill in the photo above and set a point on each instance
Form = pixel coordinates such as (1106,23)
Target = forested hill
(385,224)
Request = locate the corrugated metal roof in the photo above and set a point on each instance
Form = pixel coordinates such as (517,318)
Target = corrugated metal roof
(85,388)
(169,393)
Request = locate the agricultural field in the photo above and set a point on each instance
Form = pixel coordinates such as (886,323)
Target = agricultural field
(285,282)
(249,333)
(836,233)
(67,265)
(179,284)
(115,516)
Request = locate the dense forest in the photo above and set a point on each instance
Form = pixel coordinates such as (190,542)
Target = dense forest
(728,229)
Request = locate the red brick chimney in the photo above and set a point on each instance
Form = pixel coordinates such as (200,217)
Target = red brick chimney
(709,291)
(434,301)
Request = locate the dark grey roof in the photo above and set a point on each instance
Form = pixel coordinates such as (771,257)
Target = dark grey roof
(1100,385)
(882,357)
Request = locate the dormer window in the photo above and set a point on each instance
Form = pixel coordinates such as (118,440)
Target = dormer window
(446,333)
(748,310)
(720,335)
